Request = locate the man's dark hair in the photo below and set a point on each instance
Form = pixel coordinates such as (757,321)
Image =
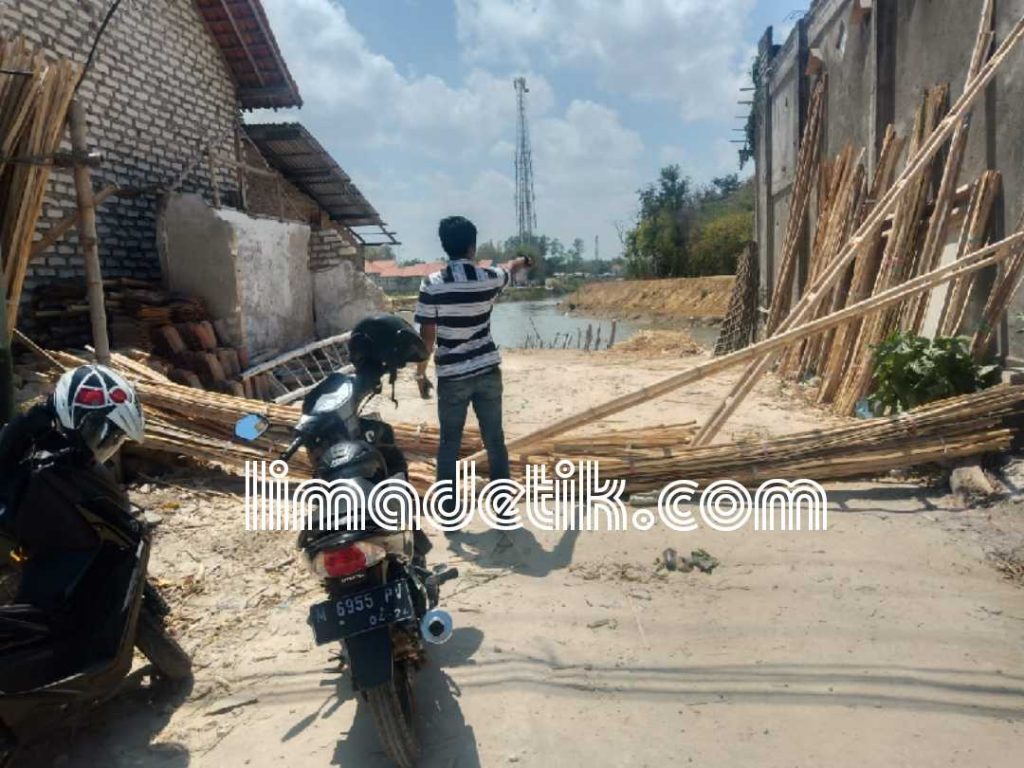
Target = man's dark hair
(458,235)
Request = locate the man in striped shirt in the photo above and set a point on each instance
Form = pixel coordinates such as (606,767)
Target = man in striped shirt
(454,313)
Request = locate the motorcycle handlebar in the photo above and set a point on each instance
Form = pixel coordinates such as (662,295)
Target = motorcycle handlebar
(291,449)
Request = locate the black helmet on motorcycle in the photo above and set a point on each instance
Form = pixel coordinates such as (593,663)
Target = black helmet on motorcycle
(385,342)
(101,407)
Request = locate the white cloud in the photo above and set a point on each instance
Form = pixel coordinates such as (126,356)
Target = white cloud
(371,103)
(421,147)
(689,52)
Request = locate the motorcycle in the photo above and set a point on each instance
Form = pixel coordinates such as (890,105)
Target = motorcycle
(82,603)
(382,600)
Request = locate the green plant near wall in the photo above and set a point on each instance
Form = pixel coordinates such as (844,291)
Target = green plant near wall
(912,370)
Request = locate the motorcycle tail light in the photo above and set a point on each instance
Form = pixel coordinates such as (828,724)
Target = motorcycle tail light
(347,560)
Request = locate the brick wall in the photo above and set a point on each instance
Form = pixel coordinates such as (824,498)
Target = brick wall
(158,89)
(327,249)
(274,195)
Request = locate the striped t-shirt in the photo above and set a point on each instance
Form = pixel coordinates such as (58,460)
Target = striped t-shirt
(458,299)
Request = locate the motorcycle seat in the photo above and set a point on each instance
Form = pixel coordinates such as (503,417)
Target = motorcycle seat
(21,624)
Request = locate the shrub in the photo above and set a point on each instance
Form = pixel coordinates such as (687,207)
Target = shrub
(911,370)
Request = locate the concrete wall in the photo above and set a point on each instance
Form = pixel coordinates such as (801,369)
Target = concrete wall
(197,254)
(342,296)
(878,70)
(157,89)
(274,283)
(252,272)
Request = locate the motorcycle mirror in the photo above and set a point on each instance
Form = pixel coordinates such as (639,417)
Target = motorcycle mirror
(251,426)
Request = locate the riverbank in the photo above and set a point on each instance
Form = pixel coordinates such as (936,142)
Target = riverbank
(681,298)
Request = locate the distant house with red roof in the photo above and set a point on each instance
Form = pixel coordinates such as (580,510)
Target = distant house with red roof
(394,277)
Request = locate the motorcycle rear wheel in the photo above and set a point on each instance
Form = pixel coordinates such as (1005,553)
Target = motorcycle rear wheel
(391,705)
(162,650)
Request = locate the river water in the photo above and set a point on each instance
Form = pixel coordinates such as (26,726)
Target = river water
(513,321)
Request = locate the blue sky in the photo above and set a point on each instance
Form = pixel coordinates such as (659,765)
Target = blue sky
(414,99)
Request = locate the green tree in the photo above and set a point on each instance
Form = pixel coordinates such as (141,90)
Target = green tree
(680,229)
(575,255)
(379,253)
(718,244)
(490,250)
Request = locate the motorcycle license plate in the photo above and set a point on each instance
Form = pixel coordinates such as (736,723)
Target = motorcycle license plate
(361,612)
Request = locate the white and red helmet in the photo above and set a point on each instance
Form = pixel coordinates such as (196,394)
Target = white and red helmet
(101,406)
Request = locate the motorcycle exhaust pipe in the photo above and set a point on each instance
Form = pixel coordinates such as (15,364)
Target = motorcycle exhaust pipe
(436,626)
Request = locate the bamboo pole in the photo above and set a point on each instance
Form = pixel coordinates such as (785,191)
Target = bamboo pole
(936,236)
(806,162)
(897,261)
(764,349)
(88,238)
(211,168)
(6,359)
(973,232)
(873,223)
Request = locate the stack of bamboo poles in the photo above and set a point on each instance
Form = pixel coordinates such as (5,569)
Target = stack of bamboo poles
(840,193)
(199,425)
(841,355)
(940,432)
(35,95)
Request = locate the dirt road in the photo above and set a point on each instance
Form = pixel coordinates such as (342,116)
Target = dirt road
(887,640)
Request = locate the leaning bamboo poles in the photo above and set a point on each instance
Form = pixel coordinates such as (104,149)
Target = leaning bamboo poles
(768,348)
(864,269)
(944,431)
(976,223)
(1011,275)
(807,161)
(740,325)
(872,224)
(33,108)
(897,259)
(936,236)
(838,210)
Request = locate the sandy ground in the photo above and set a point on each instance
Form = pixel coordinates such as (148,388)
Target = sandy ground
(889,639)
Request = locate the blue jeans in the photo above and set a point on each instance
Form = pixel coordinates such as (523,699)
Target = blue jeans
(453,399)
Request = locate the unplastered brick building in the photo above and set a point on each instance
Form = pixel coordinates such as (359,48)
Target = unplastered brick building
(165,94)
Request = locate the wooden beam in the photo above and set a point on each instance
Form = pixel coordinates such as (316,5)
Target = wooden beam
(241,42)
(69,222)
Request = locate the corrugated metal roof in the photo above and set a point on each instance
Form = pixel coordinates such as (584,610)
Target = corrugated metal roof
(241,30)
(291,149)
